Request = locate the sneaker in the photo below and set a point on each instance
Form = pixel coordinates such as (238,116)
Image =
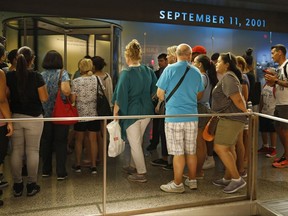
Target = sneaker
(264,149)
(234,186)
(137,178)
(221,182)
(18,189)
(93,170)
(76,169)
(282,163)
(32,189)
(3,183)
(168,167)
(243,174)
(278,159)
(272,153)
(171,187)
(129,170)
(46,175)
(61,178)
(209,163)
(159,162)
(192,184)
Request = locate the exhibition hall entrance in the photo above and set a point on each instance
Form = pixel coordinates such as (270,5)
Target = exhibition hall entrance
(74,38)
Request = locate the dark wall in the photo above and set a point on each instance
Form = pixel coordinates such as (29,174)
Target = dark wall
(157,11)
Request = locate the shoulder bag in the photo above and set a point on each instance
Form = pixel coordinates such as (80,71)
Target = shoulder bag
(102,104)
(162,103)
(62,109)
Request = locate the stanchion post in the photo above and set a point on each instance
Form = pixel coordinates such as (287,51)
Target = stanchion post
(253,157)
(104,166)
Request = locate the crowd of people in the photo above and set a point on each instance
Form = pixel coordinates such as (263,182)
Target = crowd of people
(188,81)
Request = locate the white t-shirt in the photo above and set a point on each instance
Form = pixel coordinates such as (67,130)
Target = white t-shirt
(268,99)
(282,92)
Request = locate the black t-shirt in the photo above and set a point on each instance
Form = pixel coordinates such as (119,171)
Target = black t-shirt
(29,103)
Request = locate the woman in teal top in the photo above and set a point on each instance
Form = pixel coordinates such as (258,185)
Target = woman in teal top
(132,96)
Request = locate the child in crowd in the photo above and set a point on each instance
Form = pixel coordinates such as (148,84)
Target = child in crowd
(266,126)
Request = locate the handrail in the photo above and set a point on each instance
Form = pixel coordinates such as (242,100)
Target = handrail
(253,128)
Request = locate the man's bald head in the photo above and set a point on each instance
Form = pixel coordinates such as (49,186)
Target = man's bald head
(184,52)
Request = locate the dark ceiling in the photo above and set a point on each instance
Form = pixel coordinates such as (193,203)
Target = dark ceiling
(263,5)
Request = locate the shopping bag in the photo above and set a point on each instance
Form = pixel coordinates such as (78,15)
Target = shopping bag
(116,144)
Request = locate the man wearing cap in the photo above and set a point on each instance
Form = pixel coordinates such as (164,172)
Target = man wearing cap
(197,50)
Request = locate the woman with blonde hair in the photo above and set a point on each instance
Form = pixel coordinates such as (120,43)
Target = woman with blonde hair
(133,96)
(84,94)
(171,54)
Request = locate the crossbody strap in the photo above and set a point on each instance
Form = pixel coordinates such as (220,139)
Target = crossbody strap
(60,79)
(178,84)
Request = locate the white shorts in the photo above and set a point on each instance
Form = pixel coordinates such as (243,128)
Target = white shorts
(181,137)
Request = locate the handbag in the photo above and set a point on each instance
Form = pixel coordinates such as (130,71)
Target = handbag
(102,104)
(161,104)
(116,144)
(62,109)
(210,128)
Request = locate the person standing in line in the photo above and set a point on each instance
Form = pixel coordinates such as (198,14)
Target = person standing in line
(227,98)
(266,126)
(162,63)
(6,129)
(181,133)
(133,96)
(27,91)
(206,67)
(98,66)
(280,81)
(54,136)
(84,94)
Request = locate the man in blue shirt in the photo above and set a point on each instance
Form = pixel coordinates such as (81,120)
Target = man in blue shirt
(181,132)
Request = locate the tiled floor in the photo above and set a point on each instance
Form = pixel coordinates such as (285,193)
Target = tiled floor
(81,194)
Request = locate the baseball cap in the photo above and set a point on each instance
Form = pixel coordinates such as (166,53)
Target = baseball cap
(199,49)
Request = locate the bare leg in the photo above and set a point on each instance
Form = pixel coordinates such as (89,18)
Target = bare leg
(178,167)
(201,152)
(228,157)
(93,147)
(240,152)
(79,136)
(191,161)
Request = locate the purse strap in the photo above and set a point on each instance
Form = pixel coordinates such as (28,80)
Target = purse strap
(60,79)
(178,84)
(99,85)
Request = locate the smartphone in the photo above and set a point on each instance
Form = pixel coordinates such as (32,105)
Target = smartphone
(268,72)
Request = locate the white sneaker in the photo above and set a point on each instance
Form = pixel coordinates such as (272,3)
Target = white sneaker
(192,184)
(171,187)
(209,163)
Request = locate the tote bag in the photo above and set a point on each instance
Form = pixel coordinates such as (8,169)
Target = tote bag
(62,109)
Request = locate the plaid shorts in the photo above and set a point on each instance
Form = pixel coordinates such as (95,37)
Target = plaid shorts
(181,137)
